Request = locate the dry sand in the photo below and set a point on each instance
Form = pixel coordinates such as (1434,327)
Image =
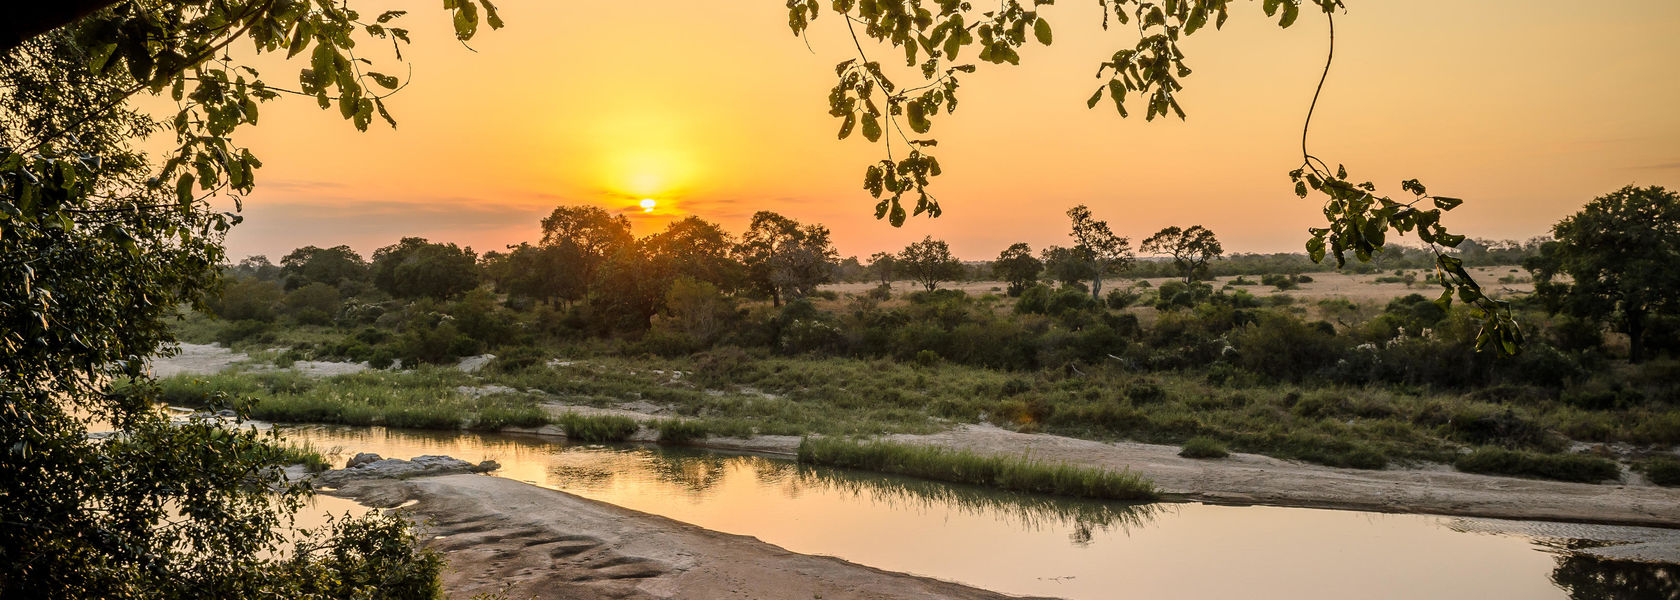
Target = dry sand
(510,537)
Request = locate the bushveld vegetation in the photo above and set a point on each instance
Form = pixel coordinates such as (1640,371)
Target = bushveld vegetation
(1019,473)
(1338,382)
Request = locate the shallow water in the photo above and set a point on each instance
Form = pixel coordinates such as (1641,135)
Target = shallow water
(1034,545)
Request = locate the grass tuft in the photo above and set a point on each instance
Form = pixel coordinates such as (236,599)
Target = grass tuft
(1021,474)
(1201,447)
(681,431)
(1562,467)
(598,429)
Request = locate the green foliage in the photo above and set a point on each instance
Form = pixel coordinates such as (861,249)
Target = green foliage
(1191,249)
(415,268)
(335,267)
(1201,447)
(1020,473)
(929,262)
(1017,267)
(681,431)
(1661,470)
(1617,255)
(1562,467)
(597,429)
(784,259)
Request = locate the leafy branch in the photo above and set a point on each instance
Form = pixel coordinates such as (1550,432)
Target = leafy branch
(933,33)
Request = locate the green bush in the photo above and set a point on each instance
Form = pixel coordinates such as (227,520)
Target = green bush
(1662,470)
(681,431)
(1562,467)
(1021,474)
(598,429)
(1201,447)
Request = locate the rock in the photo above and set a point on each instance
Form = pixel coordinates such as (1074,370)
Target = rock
(396,468)
(362,458)
(472,364)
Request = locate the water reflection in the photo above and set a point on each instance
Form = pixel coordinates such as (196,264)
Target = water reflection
(1043,546)
(1587,577)
(1032,512)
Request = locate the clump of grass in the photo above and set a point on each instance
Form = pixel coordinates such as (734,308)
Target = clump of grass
(1201,447)
(1562,467)
(1662,470)
(598,429)
(492,418)
(288,453)
(681,431)
(1021,474)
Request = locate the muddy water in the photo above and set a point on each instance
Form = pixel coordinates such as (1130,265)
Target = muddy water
(1029,545)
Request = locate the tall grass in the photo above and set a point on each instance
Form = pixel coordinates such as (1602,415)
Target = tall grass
(304,453)
(1021,474)
(598,429)
(681,431)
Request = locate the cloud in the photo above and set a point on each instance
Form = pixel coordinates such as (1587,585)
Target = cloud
(1657,167)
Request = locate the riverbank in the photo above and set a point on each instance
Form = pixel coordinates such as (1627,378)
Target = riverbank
(522,541)
(1255,479)
(1242,478)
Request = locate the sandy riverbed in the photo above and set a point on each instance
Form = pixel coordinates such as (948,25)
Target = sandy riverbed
(508,537)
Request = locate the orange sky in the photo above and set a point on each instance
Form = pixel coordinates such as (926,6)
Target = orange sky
(1526,108)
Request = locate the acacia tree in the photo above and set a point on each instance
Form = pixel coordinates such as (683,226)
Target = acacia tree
(1619,254)
(930,262)
(1098,247)
(943,41)
(1017,267)
(99,247)
(1191,249)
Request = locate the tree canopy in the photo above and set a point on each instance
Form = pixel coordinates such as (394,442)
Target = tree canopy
(1017,267)
(1619,255)
(929,262)
(1191,249)
(100,247)
(1097,247)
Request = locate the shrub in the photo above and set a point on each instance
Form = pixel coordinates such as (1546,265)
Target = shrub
(1562,467)
(1201,447)
(681,431)
(598,429)
(1662,470)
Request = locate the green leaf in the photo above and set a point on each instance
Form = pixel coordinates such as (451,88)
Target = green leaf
(183,188)
(918,116)
(386,81)
(1041,30)
(1445,203)
(871,128)
(1095,98)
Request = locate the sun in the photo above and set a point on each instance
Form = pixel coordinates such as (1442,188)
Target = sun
(647,204)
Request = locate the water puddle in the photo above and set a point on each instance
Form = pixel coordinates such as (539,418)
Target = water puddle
(1031,545)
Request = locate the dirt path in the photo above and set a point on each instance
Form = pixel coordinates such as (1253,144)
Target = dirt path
(505,536)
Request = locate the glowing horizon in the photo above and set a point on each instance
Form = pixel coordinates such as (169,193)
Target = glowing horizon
(717,111)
